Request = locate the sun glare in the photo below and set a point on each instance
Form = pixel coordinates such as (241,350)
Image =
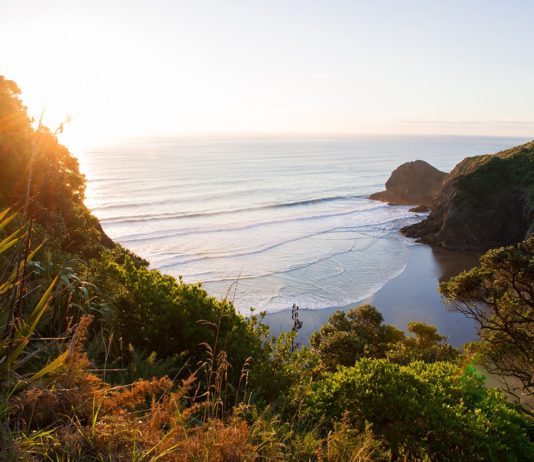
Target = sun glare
(124,72)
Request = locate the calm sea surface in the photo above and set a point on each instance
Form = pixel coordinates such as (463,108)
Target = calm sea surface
(266,222)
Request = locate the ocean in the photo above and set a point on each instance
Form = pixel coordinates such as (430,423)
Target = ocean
(267,222)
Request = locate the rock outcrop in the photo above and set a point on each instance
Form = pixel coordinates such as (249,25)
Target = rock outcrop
(412,183)
(486,201)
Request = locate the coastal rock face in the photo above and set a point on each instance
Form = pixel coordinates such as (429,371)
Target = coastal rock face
(486,201)
(412,183)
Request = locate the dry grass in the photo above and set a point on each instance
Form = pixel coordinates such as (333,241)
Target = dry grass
(74,415)
(149,420)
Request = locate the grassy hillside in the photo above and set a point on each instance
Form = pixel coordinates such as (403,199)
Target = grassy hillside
(103,359)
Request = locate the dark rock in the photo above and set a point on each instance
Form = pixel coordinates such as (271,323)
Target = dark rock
(486,201)
(105,240)
(420,209)
(412,183)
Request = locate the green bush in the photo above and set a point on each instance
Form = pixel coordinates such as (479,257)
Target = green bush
(361,333)
(154,312)
(423,410)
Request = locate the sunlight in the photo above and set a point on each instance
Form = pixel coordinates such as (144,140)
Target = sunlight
(294,242)
(184,70)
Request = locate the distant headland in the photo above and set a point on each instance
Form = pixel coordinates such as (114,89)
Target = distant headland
(485,201)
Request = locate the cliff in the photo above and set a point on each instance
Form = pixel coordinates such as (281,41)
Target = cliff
(412,183)
(486,201)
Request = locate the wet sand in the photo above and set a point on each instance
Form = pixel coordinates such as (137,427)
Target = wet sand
(411,296)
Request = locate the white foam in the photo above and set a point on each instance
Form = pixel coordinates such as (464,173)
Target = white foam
(289,219)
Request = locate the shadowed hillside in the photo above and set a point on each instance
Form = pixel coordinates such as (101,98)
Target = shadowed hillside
(485,201)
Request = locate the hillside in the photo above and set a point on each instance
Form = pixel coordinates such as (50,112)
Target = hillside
(103,359)
(41,176)
(485,201)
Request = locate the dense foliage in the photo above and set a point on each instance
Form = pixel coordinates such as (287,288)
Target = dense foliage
(423,410)
(104,359)
(361,333)
(499,296)
(38,172)
(488,174)
(157,314)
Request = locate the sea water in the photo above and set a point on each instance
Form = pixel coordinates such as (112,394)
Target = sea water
(267,221)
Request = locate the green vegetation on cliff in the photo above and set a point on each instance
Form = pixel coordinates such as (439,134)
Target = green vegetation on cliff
(485,201)
(103,359)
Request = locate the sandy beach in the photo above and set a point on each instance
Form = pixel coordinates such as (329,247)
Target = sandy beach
(412,295)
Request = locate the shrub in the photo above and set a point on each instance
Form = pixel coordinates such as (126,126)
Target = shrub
(423,410)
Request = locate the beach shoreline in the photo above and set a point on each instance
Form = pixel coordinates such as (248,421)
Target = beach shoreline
(412,295)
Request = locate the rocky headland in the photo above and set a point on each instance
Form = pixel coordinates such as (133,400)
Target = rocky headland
(412,183)
(485,201)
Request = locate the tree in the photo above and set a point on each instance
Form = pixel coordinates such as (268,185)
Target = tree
(35,166)
(425,345)
(499,296)
(361,333)
(347,337)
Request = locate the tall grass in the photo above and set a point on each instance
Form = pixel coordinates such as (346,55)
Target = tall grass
(18,323)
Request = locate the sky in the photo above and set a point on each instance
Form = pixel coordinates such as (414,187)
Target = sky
(162,67)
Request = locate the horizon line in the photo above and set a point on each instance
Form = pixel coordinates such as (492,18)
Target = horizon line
(276,134)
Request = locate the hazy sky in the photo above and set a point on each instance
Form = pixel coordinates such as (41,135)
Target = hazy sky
(224,66)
